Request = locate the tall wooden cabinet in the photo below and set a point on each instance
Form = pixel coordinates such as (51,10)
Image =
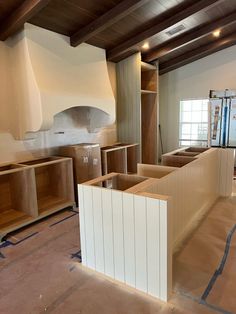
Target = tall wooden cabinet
(137,106)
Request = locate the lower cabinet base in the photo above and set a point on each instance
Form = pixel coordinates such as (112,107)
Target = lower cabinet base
(31,190)
(12,220)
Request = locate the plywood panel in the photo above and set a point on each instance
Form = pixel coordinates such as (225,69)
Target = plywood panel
(154,171)
(114,159)
(149,128)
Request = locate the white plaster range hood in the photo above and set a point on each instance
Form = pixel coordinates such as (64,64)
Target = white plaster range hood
(49,76)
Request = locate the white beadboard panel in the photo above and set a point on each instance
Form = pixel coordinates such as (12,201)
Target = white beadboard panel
(140,229)
(153,246)
(129,236)
(165,252)
(98,229)
(89,226)
(140,232)
(82,208)
(119,258)
(193,190)
(108,232)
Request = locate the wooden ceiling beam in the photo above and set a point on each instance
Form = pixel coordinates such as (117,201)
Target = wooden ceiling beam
(187,37)
(175,17)
(106,20)
(197,53)
(18,17)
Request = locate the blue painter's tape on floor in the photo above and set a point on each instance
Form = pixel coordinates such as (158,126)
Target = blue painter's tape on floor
(5,244)
(74,211)
(77,255)
(204,303)
(220,269)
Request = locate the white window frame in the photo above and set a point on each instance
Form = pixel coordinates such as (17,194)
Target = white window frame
(190,142)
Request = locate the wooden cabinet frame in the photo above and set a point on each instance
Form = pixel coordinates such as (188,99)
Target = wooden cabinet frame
(34,189)
(137,106)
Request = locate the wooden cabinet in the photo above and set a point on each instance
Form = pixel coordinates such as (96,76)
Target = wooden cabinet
(120,157)
(86,162)
(137,106)
(33,189)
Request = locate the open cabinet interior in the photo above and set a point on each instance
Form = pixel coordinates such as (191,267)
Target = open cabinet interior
(113,159)
(17,196)
(181,157)
(120,158)
(132,153)
(53,183)
(149,120)
(120,182)
(149,128)
(34,189)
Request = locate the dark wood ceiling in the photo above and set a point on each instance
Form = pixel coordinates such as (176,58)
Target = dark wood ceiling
(122,27)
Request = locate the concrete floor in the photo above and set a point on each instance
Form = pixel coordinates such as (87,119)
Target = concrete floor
(39,275)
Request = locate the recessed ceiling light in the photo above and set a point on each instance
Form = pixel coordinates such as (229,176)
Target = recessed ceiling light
(145,46)
(216,33)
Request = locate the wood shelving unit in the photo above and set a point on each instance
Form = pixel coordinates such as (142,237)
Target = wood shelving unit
(53,184)
(34,189)
(17,197)
(114,159)
(132,152)
(149,113)
(137,106)
(120,157)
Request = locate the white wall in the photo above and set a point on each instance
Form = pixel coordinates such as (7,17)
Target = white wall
(194,80)
(73,126)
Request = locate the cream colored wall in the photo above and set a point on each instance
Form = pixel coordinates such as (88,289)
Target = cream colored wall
(69,127)
(111,67)
(6,104)
(49,76)
(193,81)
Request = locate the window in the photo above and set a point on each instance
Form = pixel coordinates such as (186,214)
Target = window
(193,126)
